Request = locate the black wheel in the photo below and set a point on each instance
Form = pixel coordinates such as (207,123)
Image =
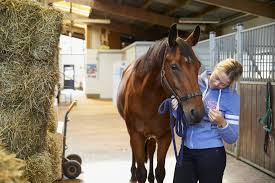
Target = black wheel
(75,157)
(71,169)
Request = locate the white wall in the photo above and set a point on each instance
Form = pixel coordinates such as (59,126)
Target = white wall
(91,84)
(142,48)
(72,53)
(129,54)
(78,62)
(106,64)
(106,61)
(135,50)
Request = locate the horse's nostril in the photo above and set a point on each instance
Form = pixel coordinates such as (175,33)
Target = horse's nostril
(193,112)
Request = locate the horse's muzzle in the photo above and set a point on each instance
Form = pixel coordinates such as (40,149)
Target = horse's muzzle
(193,114)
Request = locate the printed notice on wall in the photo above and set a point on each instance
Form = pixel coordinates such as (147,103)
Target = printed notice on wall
(91,70)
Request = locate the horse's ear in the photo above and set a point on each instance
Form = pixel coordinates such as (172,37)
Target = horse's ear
(193,38)
(173,34)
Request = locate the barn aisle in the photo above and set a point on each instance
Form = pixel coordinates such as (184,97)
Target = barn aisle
(98,134)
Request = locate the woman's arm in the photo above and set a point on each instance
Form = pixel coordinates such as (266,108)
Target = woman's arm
(230,132)
(228,125)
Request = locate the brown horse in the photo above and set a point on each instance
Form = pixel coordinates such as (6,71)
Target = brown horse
(169,67)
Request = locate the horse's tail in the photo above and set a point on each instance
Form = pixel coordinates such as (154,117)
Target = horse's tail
(149,148)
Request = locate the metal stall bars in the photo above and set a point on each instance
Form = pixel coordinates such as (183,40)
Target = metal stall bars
(258,45)
(202,52)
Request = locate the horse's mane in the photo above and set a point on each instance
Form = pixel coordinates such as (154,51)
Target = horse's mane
(152,58)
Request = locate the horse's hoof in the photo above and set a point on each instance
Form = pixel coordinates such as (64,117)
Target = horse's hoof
(133,179)
(151,180)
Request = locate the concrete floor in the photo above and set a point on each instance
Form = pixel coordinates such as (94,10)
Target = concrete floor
(98,134)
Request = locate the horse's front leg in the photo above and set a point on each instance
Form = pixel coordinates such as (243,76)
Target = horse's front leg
(133,167)
(151,146)
(163,145)
(138,144)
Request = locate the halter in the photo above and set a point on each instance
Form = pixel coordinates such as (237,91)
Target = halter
(165,83)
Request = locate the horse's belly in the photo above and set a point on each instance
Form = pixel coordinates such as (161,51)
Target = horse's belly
(150,127)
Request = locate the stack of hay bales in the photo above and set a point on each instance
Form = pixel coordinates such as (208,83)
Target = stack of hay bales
(11,168)
(29,36)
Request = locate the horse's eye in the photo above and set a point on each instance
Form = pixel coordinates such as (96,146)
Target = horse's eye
(174,67)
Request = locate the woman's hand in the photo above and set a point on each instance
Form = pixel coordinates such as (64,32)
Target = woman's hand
(174,103)
(217,116)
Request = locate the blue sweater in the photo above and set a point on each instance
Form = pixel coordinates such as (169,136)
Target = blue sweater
(207,134)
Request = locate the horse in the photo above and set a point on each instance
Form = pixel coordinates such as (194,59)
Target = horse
(169,67)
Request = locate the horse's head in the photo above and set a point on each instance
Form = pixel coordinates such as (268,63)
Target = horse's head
(180,71)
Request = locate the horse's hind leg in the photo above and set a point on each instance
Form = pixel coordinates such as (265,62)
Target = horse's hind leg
(138,144)
(163,145)
(151,147)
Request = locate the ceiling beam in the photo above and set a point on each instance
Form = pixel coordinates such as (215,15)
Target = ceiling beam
(88,21)
(134,13)
(199,20)
(189,27)
(82,2)
(245,6)
(176,6)
(235,19)
(147,3)
(131,30)
(68,28)
(204,12)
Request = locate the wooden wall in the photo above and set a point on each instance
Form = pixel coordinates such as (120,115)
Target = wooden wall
(251,139)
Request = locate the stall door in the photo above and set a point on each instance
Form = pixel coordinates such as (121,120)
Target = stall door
(68,76)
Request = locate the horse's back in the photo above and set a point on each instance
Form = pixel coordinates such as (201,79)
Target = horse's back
(122,90)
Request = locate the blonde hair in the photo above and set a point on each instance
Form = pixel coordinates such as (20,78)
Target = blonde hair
(233,69)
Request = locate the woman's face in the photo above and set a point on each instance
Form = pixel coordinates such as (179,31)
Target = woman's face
(219,80)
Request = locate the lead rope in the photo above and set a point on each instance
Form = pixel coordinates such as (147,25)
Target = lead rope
(180,126)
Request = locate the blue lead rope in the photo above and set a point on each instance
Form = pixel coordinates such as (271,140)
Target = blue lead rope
(180,125)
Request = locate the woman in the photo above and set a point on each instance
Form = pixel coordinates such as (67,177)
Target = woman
(204,156)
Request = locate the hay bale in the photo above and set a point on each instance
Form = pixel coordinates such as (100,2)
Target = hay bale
(22,131)
(11,168)
(29,30)
(39,168)
(29,72)
(47,36)
(54,147)
(52,120)
(31,86)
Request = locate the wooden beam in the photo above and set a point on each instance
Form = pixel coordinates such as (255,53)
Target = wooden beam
(88,37)
(147,4)
(189,27)
(88,21)
(173,3)
(177,5)
(204,12)
(134,13)
(235,19)
(245,6)
(199,20)
(67,28)
(128,29)
(82,2)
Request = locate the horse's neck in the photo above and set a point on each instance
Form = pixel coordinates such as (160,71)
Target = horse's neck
(150,85)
